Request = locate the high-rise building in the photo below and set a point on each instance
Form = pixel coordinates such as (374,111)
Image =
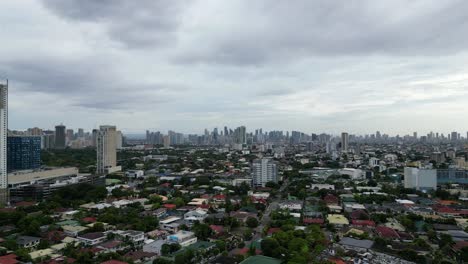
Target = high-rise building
(166,141)
(240,135)
(94,137)
(420,179)
(48,141)
(263,171)
(454,136)
(106,148)
(119,139)
(81,133)
(35,131)
(70,135)
(344,141)
(3,142)
(24,153)
(60,137)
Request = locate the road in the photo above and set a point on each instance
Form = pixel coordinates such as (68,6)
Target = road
(266,215)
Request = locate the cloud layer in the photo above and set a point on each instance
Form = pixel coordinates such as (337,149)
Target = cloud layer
(316,66)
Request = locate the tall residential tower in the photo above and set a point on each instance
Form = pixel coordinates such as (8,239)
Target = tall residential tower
(106,142)
(263,171)
(344,141)
(3,142)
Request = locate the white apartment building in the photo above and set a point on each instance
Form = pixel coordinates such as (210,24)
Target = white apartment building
(106,142)
(420,179)
(263,171)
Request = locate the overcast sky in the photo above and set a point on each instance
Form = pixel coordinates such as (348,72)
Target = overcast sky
(314,66)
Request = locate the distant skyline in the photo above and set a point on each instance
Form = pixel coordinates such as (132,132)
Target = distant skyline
(310,66)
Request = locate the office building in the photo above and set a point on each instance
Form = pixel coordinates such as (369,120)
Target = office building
(70,135)
(420,179)
(3,142)
(454,136)
(106,141)
(81,133)
(40,184)
(452,175)
(60,137)
(263,171)
(240,135)
(344,141)
(24,153)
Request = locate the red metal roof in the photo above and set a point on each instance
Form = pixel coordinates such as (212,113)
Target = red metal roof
(363,222)
(386,232)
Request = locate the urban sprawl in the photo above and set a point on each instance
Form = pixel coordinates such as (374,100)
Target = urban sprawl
(230,195)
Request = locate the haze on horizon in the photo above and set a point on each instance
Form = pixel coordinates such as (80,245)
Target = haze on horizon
(313,66)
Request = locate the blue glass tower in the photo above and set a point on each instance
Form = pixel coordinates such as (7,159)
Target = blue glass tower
(24,153)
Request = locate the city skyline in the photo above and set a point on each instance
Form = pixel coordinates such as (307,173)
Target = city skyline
(252,130)
(321,68)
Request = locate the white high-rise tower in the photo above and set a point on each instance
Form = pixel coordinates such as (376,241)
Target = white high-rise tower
(106,142)
(3,142)
(344,141)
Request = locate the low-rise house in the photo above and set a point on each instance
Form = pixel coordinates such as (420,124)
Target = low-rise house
(363,223)
(331,199)
(356,244)
(219,199)
(134,236)
(92,239)
(457,235)
(154,247)
(140,256)
(387,232)
(337,220)
(122,203)
(111,246)
(183,238)
(196,215)
(395,225)
(73,231)
(198,201)
(9,259)
(170,224)
(160,212)
(43,253)
(217,229)
(359,214)
(157,233)
(28,241)
(242,216)
(351,206)
(291,205)
(322,187)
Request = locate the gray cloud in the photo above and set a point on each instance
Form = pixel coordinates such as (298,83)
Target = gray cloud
(144,23)
(309,65)
(86,83)
(276,31)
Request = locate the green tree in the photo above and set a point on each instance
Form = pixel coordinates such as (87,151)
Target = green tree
(252,222)
(270,247)
(202,231)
